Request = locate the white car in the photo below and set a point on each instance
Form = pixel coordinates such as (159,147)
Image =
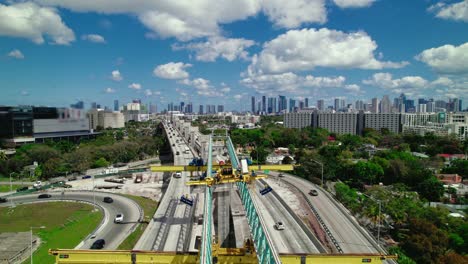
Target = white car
(37,184)
(279,226)
(119,218)
(177,175)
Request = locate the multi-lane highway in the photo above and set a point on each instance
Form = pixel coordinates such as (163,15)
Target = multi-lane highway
(293,239)
(348,234)
(111,232)
(171,226)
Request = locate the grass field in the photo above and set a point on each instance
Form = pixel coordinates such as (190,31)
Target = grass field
(6,188)
(149,207)
(67,224)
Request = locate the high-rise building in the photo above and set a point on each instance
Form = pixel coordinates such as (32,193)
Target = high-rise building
(270,105)
(430,107)
(421,108)
(153,109)
(182,106)
(306,102)
(200,110)
(274,106)
(385,106)
(78,105)
(301,105)
(136,101)
(253,104)
(220,108)
(94,105)
(342,104)
(321,105)
(409,106)
(282,103)
(359,105)
(263,104)
(292,105)
(375,105)
(116,105)
(337,104)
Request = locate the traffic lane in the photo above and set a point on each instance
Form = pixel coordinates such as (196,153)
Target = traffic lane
(349,238)
(296,240)
(114,234)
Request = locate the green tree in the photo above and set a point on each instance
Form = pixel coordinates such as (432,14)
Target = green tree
(425,242)
(101,162)
(431,189)
(368,172)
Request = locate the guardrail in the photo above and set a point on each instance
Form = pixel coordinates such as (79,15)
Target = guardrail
(205,254)
(299,221)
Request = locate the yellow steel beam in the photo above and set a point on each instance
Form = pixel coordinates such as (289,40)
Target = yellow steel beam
(283,167)
(232,256)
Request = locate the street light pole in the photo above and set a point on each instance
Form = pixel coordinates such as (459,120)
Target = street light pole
(11,186)
(31,228)
(380,213)
(321,164)
(94,194)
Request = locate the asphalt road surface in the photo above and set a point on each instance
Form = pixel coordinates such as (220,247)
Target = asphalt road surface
(111,232)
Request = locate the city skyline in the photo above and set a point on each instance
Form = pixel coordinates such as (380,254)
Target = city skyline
(224,54)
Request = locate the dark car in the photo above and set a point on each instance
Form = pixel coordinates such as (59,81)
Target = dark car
(313,192)
(177,153)
(86,177)
(108,200)
(44,195)
(73,178)
(22,189)
(3,200)
(98,244)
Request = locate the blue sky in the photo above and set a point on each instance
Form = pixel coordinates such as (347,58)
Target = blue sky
(55,52)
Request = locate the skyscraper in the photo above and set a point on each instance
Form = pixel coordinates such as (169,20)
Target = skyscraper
(385,105)
(220,108)
(337,104)
(116,105)
(263,104)
(301,105)
(306,102)
(282,103)
(320,105)
(270,105)
(253,105)
(200,110)
(182,104)
(274,106)
(375,105)
(93,105)
(78,105)
(153,109)
(292,105)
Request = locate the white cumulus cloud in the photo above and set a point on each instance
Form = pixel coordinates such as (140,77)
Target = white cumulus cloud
(353,3)
(386,80)
(31,21)
(290,82)
(294,13)
(447,58)
(172,70)
(300,50)
(109,90)
(94,38)
(190,19)
(227,48)
(135,86)
(17,54)
(455,11)
(116,76)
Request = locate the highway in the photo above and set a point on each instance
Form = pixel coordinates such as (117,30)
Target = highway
(112,233)
(171,226)
(293,238)
(348,234)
